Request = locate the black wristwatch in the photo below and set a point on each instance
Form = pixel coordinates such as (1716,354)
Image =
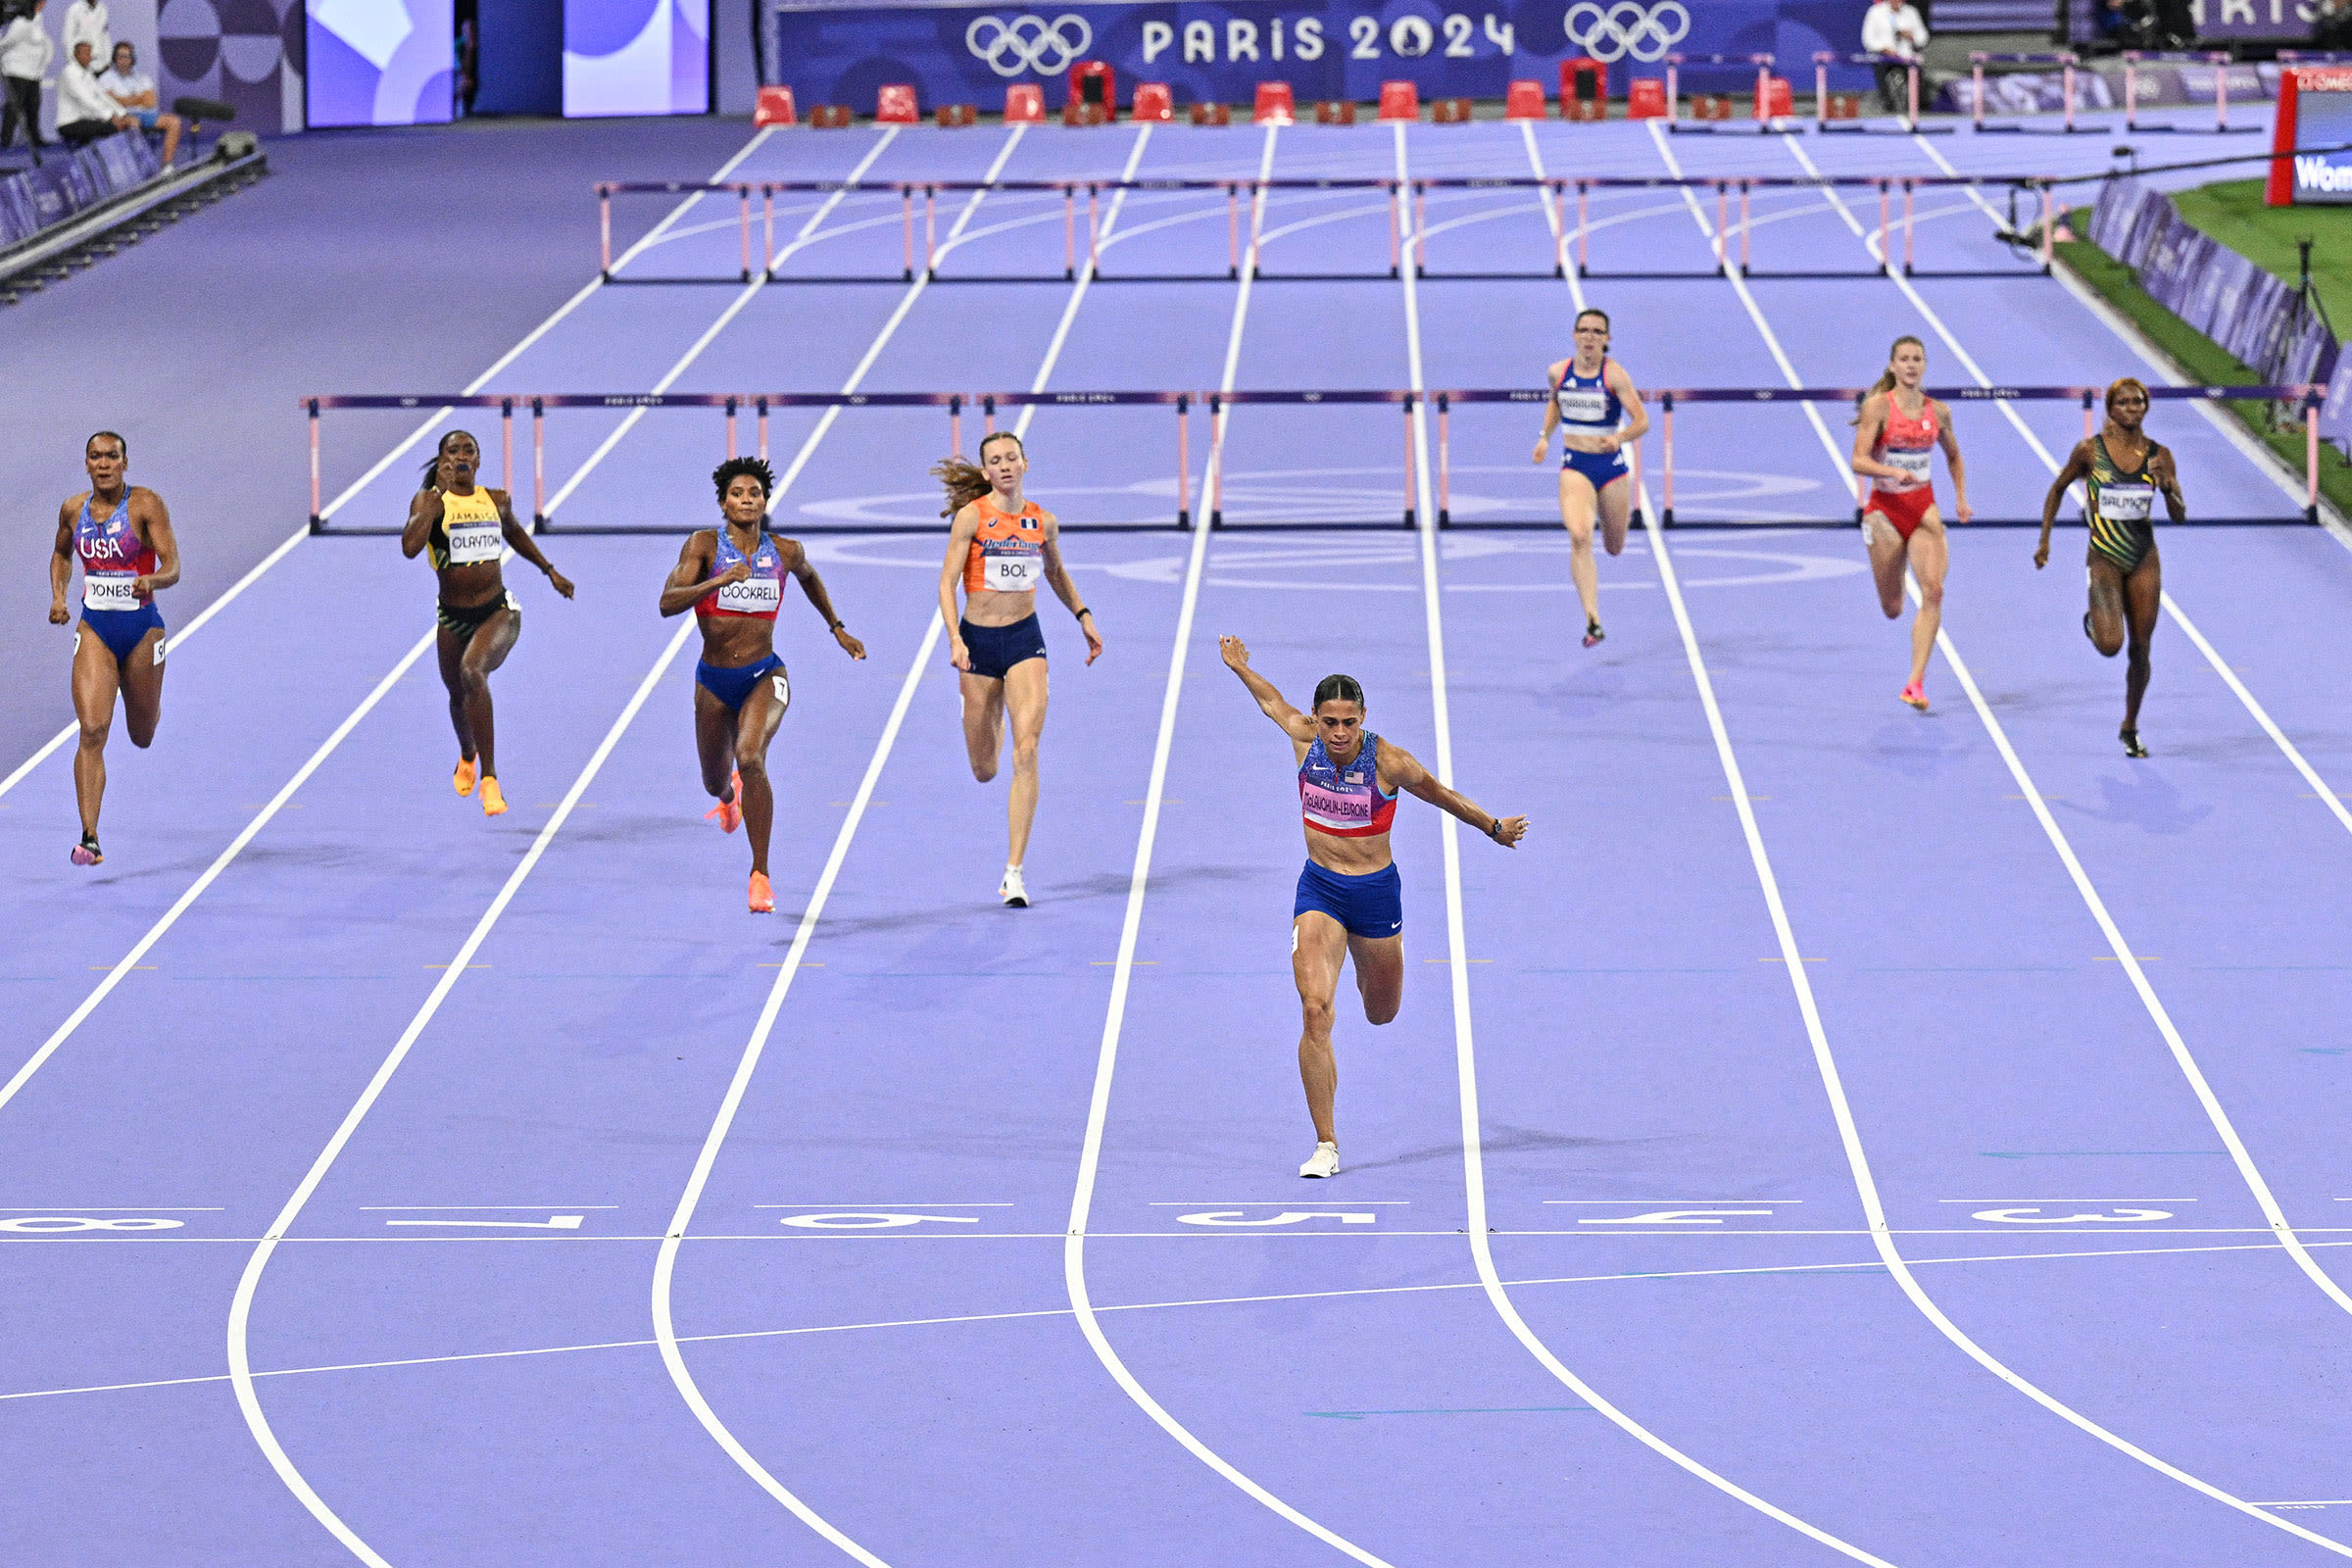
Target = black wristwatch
(1083,613)
(837,625)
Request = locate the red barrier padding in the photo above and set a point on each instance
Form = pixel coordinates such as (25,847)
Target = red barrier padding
(1094,85)
(1779,100)
(1583,77)
(894,105)
(1399,100)
(1153,101)
(1274,105)
(1451,112)
(775,107)
(951,115)
(1024,104)
(1524,100)
(1645,99)
(831,117)
(1212,114)
(1335,112)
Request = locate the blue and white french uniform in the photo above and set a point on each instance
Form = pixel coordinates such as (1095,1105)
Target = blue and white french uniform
(1589,406)
(114,558)
(757,597)
(1348,802)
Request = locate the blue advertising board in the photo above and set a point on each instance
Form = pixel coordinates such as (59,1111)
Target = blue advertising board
(2323,121)
(1220,50)
(2278,21)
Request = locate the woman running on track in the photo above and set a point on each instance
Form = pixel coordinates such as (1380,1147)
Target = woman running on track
(999,547)
(1350,903)
(468,529)
(122,533)
(1590,396)
(733,578)
(1895,437)
(2123,473)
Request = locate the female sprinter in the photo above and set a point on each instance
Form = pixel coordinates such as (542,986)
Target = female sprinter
(468,529)
(122,536)
(1895,437)
(1590,396)
(2124,471)
(733,576)
(1000,546)
(1350,903)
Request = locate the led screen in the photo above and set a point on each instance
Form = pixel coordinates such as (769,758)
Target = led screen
(2323,120)
(636,57)
(379,62)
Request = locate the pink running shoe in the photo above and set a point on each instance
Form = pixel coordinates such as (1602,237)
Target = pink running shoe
(1917,696)
(728,814)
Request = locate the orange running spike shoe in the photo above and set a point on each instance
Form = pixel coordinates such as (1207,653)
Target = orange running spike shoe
(728,814)
(494,803)
(1916,695)
(463,779)
(763,897)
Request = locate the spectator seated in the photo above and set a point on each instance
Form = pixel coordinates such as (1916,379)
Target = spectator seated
(134,91)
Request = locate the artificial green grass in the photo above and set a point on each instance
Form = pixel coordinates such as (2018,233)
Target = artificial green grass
(2206,362)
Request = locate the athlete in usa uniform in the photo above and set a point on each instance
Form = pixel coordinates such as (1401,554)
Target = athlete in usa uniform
(465,530)
(1895,437)
(1001,547)
(1350,903)
(732,577)
(121,535)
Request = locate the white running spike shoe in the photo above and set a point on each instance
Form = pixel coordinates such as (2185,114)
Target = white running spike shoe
(1325,1163)
(1012,890)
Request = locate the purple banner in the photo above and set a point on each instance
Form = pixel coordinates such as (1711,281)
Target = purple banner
(2252,314)
(55,191)
(2335,414)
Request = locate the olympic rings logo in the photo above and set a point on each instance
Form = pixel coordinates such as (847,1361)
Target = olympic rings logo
(1032,43)
(1609,33)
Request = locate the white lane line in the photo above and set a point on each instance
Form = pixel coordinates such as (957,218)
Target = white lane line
(1865,1184)
(241,1307)
(2124,955)
(743,297)
(1474,1177)
(2221,667)
(1129,1306)
(180,637)
(666,1261)
(179,906)
(1082,1200)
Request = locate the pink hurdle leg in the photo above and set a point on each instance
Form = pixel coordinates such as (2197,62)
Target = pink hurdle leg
(1911,80)
(1184,460)
(314,460)
(764,429)
(506,446)
(538,462)
(1666,463)
(604,223)
(742,227)
(1976,72)
(2049,226)
(1743,228)
(1909,224)
(2310,456)
(1445,460)
(907,203)
(1723,198)
(1069,231)
(2220,91)
(1584,234)
(730,431)
(1408,461)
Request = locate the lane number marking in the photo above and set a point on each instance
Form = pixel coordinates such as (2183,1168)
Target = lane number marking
(1289,1216)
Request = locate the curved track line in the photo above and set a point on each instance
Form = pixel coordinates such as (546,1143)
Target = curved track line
(240,1311)
(1474,1179)
(1098,1116)
(1865,1184)
(2211,1103)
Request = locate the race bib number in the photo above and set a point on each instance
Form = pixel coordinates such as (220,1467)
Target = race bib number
(753,596)
(1010,573)
(1915,467)
(109,589)
(470,546)
(1583,405)
(2127,503)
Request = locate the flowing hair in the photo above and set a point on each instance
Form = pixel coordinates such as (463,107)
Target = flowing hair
(1886,380)
(432,465)
(965,481)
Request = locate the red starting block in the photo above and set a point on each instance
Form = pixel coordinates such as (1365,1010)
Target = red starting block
(1024,104)
(775,107)
(1524,101)
(1274,105)
(1153,101)
(894,105)
(1399,100)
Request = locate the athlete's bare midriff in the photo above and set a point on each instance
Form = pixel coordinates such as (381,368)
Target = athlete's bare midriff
(992,607)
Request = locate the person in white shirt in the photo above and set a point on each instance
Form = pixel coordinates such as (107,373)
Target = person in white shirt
(127,84)
(86,23)
(85,111)
(24,54)
(1894,28)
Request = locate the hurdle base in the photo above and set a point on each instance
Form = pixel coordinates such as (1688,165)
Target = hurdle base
(1974,271)
(1850,272)
(648,282)
(2047,130)
(1583,270)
